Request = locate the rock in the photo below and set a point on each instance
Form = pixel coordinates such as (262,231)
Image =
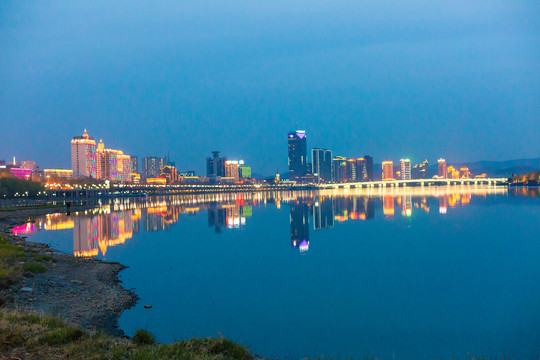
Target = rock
(26,289)
(21,262)
(76,282)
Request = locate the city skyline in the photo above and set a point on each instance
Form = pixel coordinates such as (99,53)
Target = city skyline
(457,80)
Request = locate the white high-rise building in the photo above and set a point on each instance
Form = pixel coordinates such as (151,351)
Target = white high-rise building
(405,169)
(83,156)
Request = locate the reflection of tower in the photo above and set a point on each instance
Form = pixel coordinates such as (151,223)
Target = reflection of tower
(85,238)
(299,219)
(323,214)
(216,217)
(388,205)
(366,208)
(406,205)
(443,204)
(154,220)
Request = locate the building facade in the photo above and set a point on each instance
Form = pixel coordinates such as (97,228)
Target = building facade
(441,167)
(152,166)
(388,170)
(83,156)
(405,167)
(339,168)
(231,170)
(297,146)
(134,165)
(322,165)
(215,165)
(57,173)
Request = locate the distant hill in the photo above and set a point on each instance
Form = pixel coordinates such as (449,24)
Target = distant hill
(534,175)
(504,168)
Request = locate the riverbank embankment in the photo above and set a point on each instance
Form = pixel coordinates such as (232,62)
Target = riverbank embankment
(84,292)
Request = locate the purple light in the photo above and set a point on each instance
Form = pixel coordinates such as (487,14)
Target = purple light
(301,135)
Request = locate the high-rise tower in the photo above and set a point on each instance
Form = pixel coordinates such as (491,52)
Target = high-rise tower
(83,156)
(388,170)
(297,142)
(322,164)
(442,168)
(405,165)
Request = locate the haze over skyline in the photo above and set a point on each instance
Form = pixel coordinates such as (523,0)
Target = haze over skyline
(416,79)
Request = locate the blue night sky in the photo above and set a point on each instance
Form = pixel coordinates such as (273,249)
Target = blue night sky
(457,79)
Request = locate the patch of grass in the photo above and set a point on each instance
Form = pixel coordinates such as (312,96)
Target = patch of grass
(48,337)
(143,337)
(62,336)
(34,267)
(10,258)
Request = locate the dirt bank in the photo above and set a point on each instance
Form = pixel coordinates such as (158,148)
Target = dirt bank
(85,292)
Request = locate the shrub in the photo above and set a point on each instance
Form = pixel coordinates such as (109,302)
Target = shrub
(143,337)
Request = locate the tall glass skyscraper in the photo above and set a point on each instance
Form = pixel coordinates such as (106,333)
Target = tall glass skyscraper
(297,154)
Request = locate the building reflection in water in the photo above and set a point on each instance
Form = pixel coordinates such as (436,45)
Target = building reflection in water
(299,221)
(113,223)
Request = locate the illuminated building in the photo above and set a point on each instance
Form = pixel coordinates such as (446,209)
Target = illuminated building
(215,166)
(243,170)
(156,181)
(420,171)
(464,172)
(452,173)
(152,166)
(405,167)
(134,164)
(21,173)
(322,165)
(170,174)
(231,169)
(28,164)
(83,156)
(442,169)
(297,146)
(388,170)
(112,165)
(351,170)
(58,173)
(339,169)
(135,178)
(364,168)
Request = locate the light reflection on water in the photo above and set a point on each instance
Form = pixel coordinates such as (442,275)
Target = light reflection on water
(177,265)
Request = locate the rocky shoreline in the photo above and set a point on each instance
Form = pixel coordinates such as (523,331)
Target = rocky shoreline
(84,292)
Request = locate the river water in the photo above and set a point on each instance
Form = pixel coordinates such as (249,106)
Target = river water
(396,273)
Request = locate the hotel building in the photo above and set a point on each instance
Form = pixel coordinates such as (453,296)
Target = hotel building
(83,156)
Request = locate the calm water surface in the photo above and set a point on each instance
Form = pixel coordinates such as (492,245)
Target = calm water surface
(396,273)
